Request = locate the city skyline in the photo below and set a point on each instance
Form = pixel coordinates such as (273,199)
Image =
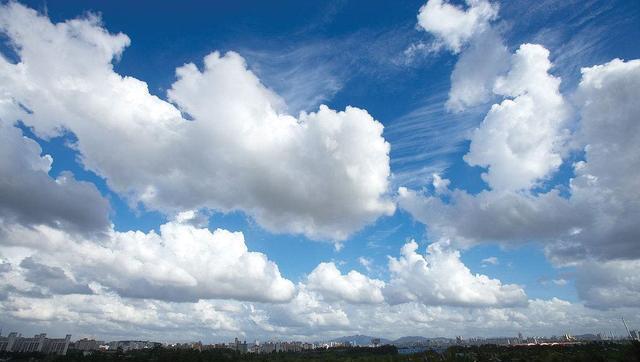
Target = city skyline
(311,171)
(15,342)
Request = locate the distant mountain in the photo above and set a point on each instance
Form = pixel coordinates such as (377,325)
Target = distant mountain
(359,339)
(409,341)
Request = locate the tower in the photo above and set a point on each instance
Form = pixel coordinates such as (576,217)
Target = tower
(627,327)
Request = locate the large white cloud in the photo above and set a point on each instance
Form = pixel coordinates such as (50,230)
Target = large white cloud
(598,218)
(610,284)
(109,316)
(440,278)
(520,141)
(454,26)
(324,174)
(483,55)
(608,179)
(490,216)
(353,287)
(474,74)
(181,263)
(439,295)
(597,221)
(306,313)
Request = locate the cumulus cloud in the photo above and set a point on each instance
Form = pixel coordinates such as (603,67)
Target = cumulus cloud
(323,174)
(305,317)
(29,196)
(474,74)
(497,217)
(454,26)
(305,313)
(440,278)
(108,315)
(597,219)
(483,55)
(520,141)
(353,287)
(610,284)
(440,185)
(606,181)
(180,263)
(146,282)
(447,299)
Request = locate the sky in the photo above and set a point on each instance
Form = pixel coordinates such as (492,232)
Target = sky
(308,170)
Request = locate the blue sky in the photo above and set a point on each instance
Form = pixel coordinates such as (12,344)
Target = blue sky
(538,249)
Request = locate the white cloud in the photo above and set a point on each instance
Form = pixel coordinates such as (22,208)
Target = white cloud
(353,287)
(483,56)
(610,284)
(440,278)
(323,174)
(147,284)
(607,181)
(181,263)
(309,315)
(477,69)
(453,25)
(493,217)
(492,260)
(367,263)
(598,219)
(440,185)
(521,140)
(306,313)
(305,317)
(111,317)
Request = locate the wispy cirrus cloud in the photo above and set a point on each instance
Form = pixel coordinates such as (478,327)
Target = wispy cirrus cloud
(424,140)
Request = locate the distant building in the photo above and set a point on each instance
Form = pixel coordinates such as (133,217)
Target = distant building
(86,345)
(132,345)
(292,346)
(38,343)
(26,345)
(239,346)
(56,345)
(7,343)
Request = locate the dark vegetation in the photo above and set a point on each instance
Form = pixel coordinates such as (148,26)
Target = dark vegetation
(585,352)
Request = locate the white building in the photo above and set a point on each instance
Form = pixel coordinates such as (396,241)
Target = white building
(38,343)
